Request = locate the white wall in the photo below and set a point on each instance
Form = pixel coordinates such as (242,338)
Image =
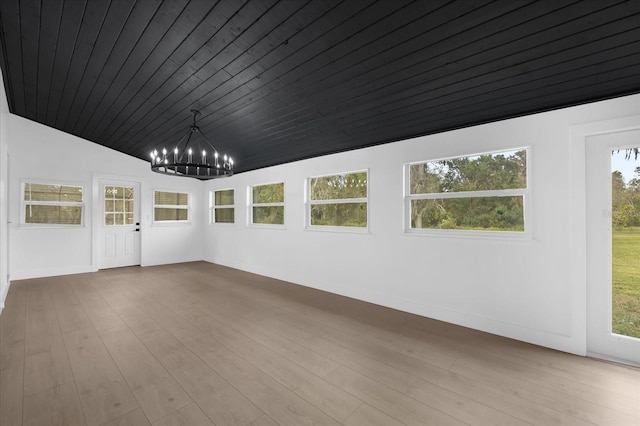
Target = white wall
(40,153)
(4,236)
(529,289)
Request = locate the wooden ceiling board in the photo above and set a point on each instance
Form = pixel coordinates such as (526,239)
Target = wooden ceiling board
(92,22)
(168,32)
(333,89)
(106,110)
(69,25)
(209,72)
(439,69)
(505,66)
(282,80)
(29,27)
(49,29)
(214,95)
(136,23)
(190,38)
(111,30)
(203,96)
(12,56)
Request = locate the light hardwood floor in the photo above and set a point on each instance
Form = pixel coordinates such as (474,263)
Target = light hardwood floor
(200,344)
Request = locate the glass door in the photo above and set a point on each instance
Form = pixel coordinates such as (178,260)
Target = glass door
(613,245)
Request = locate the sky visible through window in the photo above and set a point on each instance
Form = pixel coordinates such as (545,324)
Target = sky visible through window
(626,167)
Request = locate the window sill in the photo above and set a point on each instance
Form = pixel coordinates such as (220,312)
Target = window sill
(267,226)
(49,226)
(339,229)
(169,223)
(470,234)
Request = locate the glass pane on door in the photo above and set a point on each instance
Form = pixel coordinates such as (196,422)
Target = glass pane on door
(118,205)
(625,242)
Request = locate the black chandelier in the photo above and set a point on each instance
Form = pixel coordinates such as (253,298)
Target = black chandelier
(193,159)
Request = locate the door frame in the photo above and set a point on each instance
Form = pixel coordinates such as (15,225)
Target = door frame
(578,225)
(96,214)
(601,341)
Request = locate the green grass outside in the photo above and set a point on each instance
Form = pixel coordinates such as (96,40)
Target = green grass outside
(626,281)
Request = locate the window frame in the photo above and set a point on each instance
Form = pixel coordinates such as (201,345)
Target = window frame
(470,233)
(251,205)
(213,207)
(335,228)
(186,207)
(24,203)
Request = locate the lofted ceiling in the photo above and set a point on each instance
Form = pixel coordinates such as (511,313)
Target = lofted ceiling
(279,81)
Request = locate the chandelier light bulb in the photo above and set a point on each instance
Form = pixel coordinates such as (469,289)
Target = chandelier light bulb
(164,151)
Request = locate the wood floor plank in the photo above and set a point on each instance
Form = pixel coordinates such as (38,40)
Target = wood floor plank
(559,399)
(71,315)
(12,328)
(220,401)
(156,391)
(58,405)
(282,405)
(12,352)
(263,421)
(104,394)
(126,309)
(367,415)
(46,361)
(11,395)
(396,404)
(132,418)
(288,348)
(186,416)
(101,315)
(328,398)
(200,343)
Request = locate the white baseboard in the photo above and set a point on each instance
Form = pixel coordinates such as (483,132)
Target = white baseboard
(51,272)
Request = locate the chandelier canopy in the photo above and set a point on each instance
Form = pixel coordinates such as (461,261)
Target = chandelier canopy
(193,156)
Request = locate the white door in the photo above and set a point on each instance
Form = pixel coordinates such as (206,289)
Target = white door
(613,246)
(120,224)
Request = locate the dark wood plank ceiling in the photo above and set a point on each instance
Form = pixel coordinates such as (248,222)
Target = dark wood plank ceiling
(279,81)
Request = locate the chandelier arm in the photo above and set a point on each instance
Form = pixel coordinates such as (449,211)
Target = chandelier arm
(184,153)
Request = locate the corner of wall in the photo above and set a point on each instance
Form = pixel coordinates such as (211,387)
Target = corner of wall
(4,212)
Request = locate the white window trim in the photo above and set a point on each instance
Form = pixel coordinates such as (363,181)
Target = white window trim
(251,205)
(170,206)
(470,233)
(324,228)
(213,207)
(24,203)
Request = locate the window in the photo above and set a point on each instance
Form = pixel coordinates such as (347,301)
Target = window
(223,206)
(484,192)
(170,206)
(267,204)
(118,205)
(338,200)
(52,204)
